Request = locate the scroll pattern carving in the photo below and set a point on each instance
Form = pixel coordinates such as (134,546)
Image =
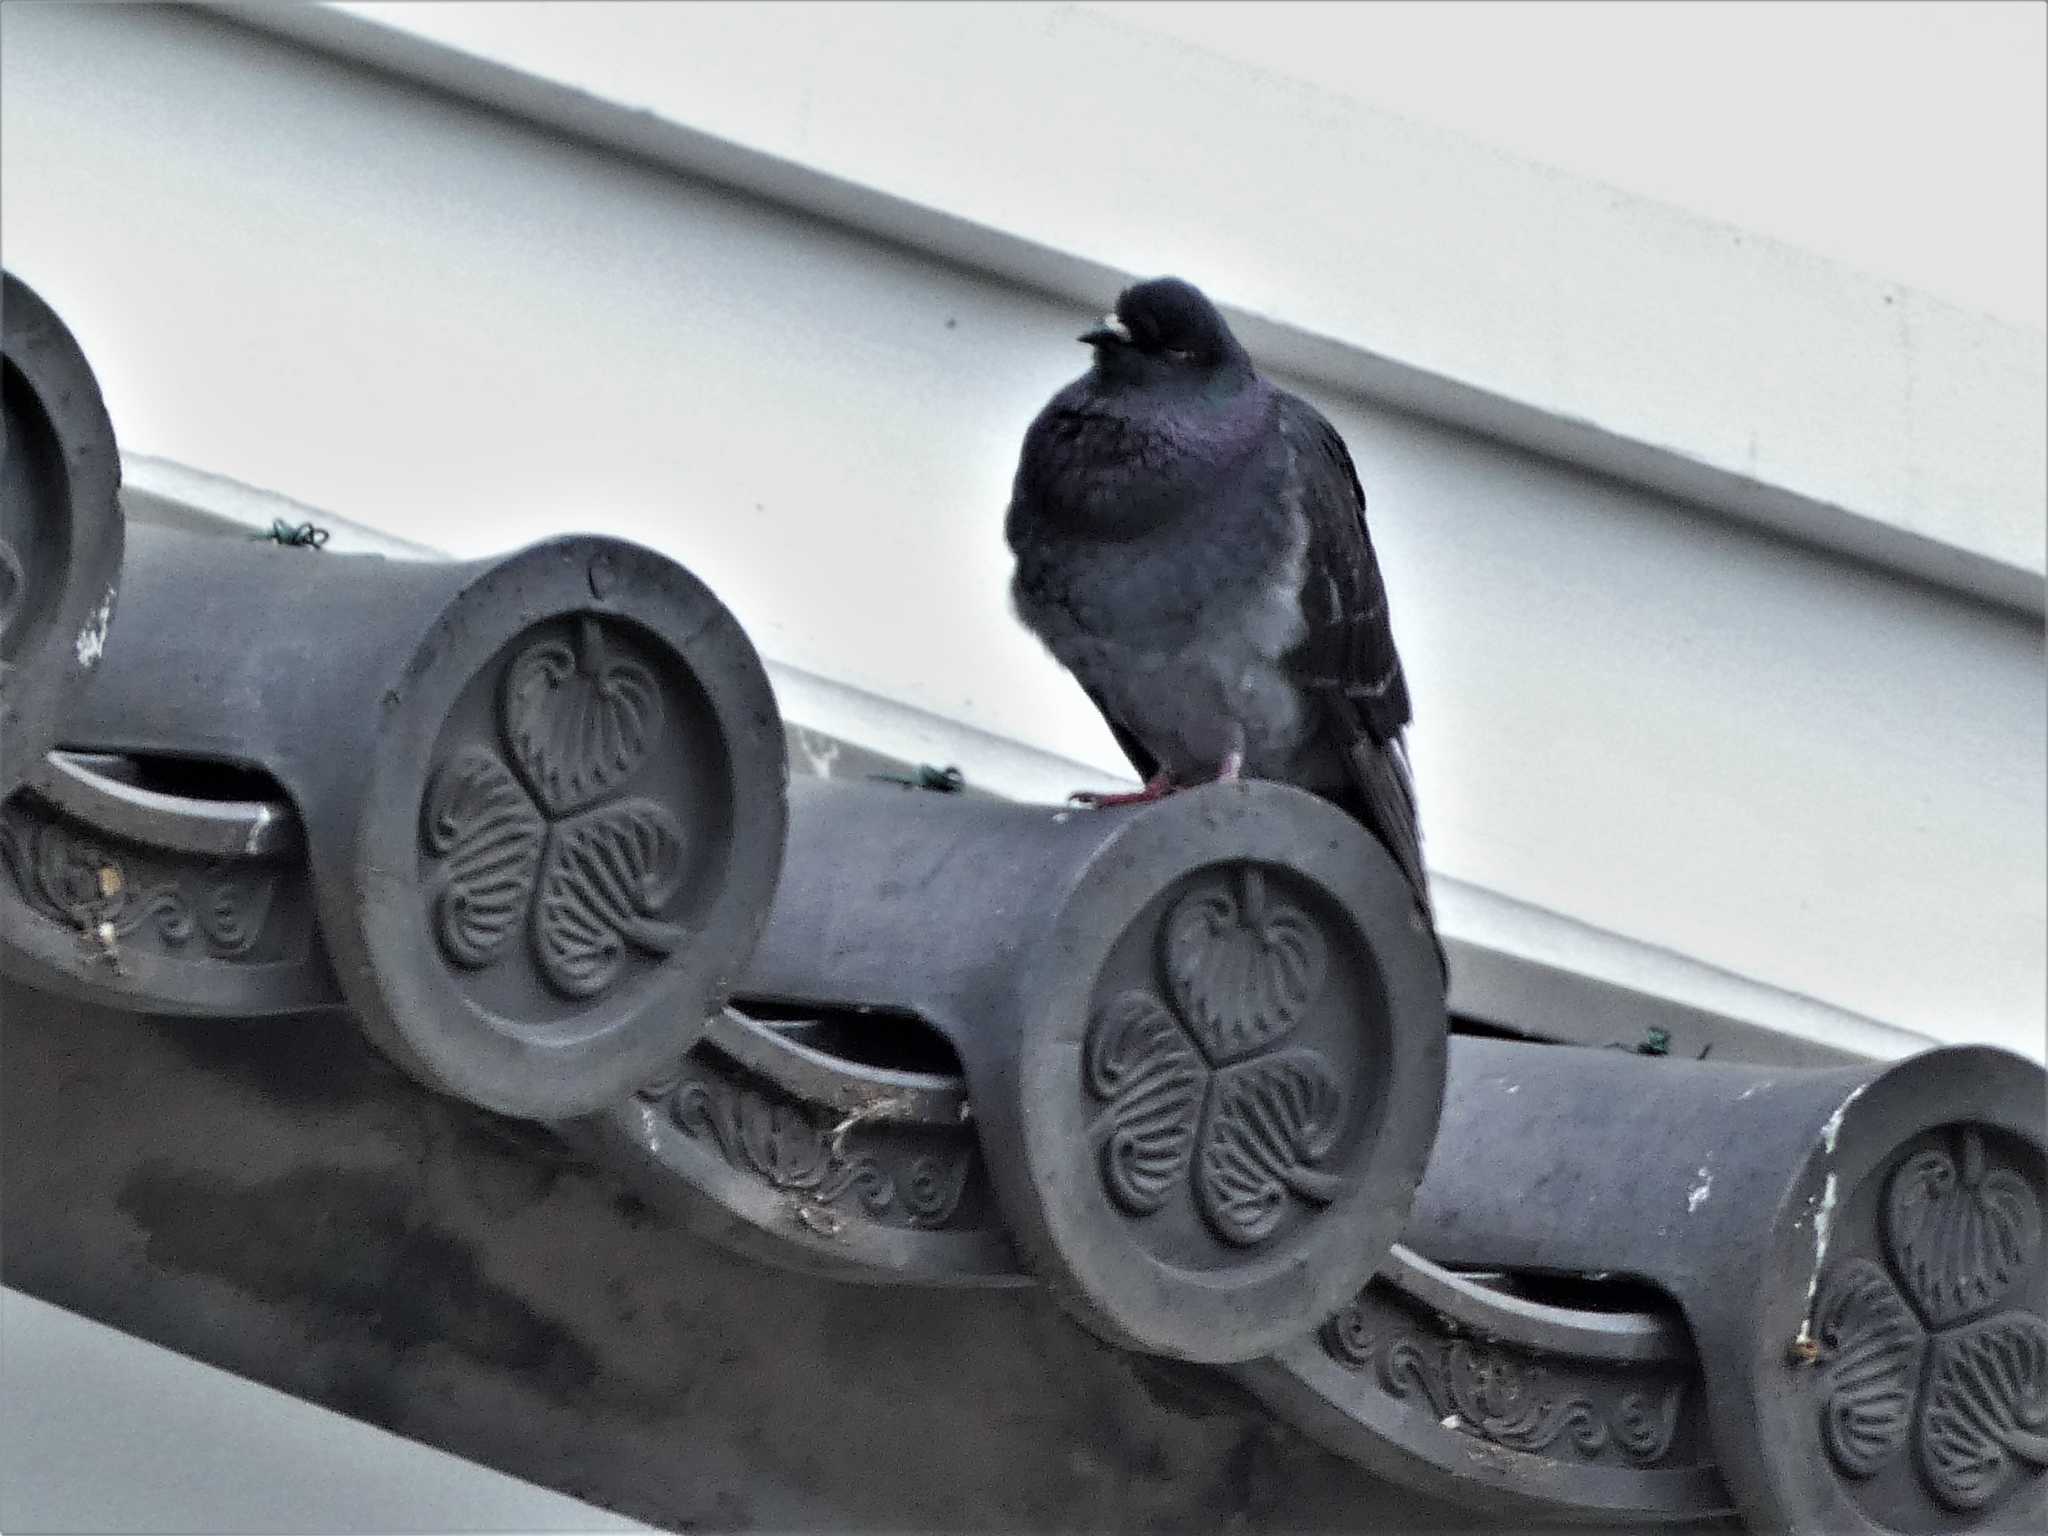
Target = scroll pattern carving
(1496,1395)
(1959,1230)
(546,843)
(786,1145)
(1196,1087)
(111,893)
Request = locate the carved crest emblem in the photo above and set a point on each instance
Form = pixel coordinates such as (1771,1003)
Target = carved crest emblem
(1200,1084)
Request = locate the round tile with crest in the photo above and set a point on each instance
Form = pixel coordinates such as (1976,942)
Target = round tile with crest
(1228,1071)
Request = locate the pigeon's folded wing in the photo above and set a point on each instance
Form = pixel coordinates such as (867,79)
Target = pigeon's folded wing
(1346,661)
(1349,646)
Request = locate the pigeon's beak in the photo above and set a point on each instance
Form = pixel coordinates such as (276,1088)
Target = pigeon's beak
(1112,332)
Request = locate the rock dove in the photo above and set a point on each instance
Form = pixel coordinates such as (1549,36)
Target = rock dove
(1190,543)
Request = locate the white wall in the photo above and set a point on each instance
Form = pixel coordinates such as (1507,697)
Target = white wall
(1841,127)
(467,331)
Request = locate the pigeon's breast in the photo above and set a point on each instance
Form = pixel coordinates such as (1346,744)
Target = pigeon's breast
(1190,661)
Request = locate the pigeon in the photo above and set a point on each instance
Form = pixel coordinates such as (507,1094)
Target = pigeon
(1190,544)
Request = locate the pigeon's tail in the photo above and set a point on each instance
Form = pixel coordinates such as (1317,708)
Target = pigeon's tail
(1382,795)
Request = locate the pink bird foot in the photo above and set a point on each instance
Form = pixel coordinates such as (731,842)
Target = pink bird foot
(1158,787)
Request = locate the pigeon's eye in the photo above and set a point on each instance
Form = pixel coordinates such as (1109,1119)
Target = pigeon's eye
(1179,355)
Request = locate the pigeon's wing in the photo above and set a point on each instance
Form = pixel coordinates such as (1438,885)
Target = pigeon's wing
(1349,646)
(1346,661)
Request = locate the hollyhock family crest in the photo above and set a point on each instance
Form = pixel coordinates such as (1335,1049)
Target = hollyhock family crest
(1200,1083)
(547,843)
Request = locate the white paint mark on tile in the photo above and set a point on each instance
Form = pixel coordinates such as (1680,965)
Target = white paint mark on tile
(1833,1128)
(92,640)
(1700,1192)
(820,752)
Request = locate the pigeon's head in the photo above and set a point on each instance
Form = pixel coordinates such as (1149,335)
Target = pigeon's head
(1166,333)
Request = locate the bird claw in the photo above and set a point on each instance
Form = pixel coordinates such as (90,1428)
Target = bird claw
(1097,800)
(1090,800)
(1158,787)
